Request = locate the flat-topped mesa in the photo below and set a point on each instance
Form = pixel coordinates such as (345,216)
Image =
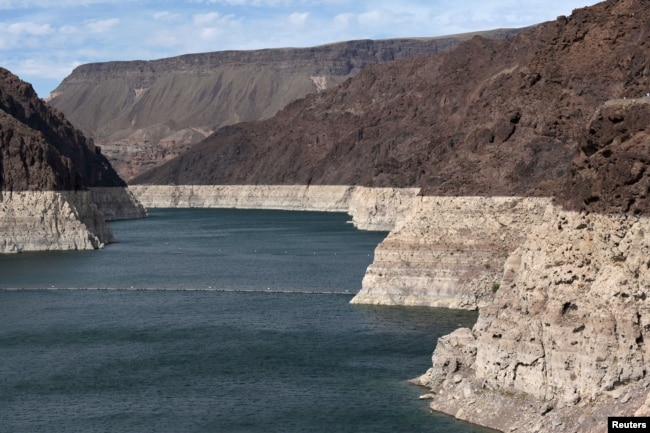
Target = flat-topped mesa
(143,113)
(56,188)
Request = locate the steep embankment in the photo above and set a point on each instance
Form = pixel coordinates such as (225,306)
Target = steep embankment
(379,209)
(566,334)
(51,178)
(142,113)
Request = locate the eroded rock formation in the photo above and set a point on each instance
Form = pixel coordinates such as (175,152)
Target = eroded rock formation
(378,209)
(448,251)
(490,118)
(564,342)
(52,177)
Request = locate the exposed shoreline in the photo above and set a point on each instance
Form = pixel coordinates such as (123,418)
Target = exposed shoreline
(561,296)
(62,220)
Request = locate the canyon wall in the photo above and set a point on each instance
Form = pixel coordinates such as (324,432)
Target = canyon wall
(63,220)
(142,113)
(448,251)
(370,208)
(560,340)
(56,187)
(440,252)
(562,346)
(51,220)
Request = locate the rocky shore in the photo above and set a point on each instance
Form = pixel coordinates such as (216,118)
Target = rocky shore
(377,209)
(562,346)
(62,220)
(559,344)
(440,251)
(56,188)
(449,251)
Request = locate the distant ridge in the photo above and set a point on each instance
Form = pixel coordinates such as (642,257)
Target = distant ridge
(542,113)
(143,113)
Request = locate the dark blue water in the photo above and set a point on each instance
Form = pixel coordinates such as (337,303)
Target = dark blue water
(275,346)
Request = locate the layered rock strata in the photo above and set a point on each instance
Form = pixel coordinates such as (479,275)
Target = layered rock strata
(143,113)
(563,344)
(56,188)
(117,203)
(51,220)
(371,208)
(449,251)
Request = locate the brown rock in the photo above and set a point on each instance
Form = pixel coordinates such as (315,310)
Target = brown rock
(40,150)
(491,117)
(144,113)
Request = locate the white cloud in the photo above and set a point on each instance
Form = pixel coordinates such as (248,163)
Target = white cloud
(167,16)
(28,28)
(68,30)
(297,19)
(207,19)
(101,26)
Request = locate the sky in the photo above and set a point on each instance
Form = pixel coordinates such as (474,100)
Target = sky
(42,41)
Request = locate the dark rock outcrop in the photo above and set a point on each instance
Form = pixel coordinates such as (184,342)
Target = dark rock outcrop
(610,173)
(40,149)
(143,113)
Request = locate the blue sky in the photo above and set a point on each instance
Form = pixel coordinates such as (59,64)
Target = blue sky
(42,41)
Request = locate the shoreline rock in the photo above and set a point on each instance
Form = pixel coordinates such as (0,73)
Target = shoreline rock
(63,220)
(449,251)
(51,220)
(373,209)
(559,344)
(562,346)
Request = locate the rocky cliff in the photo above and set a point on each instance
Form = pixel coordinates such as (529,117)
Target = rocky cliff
(378,209)
(448,251)
(562,347)
(142,113)
(51,178)
(491,117)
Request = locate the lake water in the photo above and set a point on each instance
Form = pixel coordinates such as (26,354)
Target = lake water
(216,321)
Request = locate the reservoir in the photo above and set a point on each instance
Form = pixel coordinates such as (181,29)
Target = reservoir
(213,320)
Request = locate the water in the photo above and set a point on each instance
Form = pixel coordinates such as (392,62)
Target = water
(273,346)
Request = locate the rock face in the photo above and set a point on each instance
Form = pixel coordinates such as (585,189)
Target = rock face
(378,209)
(609,173)
(449,251)
(41,150)
(50,177)
(51,220)
(491,117)
(144,113)
(565,334)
